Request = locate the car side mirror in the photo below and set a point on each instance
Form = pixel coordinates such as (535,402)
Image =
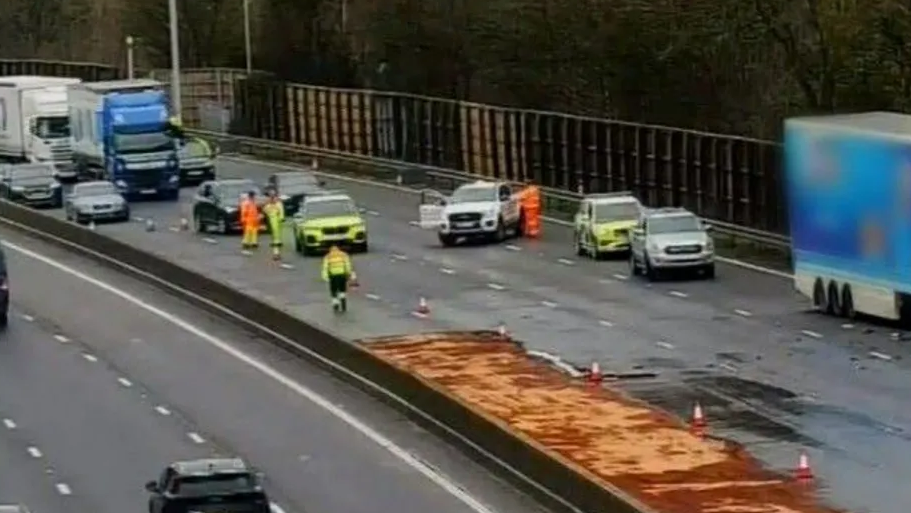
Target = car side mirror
(152,486)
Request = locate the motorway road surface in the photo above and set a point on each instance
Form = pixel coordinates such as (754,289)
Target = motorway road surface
(768,373)
(101,387)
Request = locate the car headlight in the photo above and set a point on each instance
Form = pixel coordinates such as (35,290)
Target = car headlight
(55,185)
(18,188)
(121,184)
(230,210)
(173,179)
(654,248)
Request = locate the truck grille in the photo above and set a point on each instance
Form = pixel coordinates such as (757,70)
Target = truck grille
(688,249)
(464,218)
(338,230)
(62,154)
(147,180)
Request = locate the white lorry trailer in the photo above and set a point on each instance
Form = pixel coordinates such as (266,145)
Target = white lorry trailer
(34,121)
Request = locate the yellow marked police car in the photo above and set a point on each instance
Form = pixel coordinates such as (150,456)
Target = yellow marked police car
(326,220)
(603,223)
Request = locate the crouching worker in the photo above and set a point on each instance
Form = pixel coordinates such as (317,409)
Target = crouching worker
(337,271)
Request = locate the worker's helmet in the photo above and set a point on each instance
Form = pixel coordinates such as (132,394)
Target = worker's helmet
(334,247)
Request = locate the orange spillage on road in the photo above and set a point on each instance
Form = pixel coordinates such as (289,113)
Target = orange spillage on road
(614,439)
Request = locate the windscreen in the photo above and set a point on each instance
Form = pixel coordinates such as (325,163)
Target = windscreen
(233,191)
(31,173)
(218,484)
(331,208)
(94,189)
(473,194)
(674,224)
(194,149)
(608,212)
(142,143)
(55,127)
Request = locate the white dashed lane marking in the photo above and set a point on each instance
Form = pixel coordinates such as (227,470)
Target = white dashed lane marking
(664,345)
(210,240)
(728,367)
(621,276)
(196,438)
(606,324)
(812,334)
(446,270)
(28,318)
(743,313)
(677,293)
(372,297)
(399,257)
(513,247)
(34,452)
(64,489)
(549,304)
(9,423)
(61,339)
(881,356)
(90,357)
(162,410)
(125,382)
(496,286)
(566,261)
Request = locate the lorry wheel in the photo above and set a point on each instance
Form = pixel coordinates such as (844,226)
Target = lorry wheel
(447,240)
(833,305)
(819,296)
(710,271)
(847,303)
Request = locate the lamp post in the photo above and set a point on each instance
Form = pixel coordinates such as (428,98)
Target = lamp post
(130,68)
(247,44)
(176,105)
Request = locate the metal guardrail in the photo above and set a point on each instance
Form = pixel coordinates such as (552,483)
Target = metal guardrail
(557,203)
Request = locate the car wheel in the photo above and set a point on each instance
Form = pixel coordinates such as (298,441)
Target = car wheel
(4,320)
(198,225)
(501,231)
(710,271)
(447,240)
(363,248)
(650,272)
(633,266)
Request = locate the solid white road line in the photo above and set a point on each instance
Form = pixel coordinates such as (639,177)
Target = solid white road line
(355,423)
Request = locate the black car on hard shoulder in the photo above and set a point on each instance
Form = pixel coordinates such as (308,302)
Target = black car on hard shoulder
(216,206)
(31,184)
(293,187)
(4,291)
(218,485)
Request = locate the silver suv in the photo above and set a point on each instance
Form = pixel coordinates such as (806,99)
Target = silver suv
(669,239)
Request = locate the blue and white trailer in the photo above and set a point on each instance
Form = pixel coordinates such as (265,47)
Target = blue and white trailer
(121,133)
(848,179)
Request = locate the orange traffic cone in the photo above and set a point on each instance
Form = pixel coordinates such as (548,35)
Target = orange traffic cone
(594,374)
(423,309)
(698,424)
(804,472)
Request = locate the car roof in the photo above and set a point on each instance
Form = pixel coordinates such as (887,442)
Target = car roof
(84,185)
(234,181)
(612,200)
(30,165)
(210,466)
(328,197)
(295,173)
(668,212)
(479,184)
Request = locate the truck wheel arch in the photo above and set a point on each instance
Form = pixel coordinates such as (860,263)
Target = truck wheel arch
(819,295)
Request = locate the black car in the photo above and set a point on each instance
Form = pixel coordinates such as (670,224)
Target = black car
(34,185)
(217,204)
(223,485)
(293,186)
(4,291)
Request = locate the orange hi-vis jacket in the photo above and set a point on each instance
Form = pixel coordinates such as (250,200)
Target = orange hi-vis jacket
(249,213)
(531,207)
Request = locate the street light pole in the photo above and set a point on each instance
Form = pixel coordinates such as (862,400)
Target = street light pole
(176,104)
(247,36)
(130,70)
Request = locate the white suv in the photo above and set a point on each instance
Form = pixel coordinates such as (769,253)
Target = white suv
(669,239)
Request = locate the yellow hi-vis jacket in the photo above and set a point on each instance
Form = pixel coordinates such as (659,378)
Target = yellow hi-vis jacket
(275,214)
(335,263)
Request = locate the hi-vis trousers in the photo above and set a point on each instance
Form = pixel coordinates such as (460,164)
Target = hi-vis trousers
(251,237)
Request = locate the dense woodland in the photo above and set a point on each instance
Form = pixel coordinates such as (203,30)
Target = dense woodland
(733,66)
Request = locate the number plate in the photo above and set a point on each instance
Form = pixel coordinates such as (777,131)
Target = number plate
(335,237)
(148,191)
(464,225)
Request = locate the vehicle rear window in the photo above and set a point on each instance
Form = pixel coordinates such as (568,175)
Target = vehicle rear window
(219,484)
(674,224)
(29,172)
(297,180)
(616,211)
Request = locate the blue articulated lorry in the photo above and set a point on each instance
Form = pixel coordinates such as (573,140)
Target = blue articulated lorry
(121,133)
(848,180)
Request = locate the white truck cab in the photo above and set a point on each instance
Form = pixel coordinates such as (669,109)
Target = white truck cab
(477,210)
(34,121)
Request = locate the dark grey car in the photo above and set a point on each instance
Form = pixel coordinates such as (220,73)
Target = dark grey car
(293,187)
(34,185)
(96,201)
